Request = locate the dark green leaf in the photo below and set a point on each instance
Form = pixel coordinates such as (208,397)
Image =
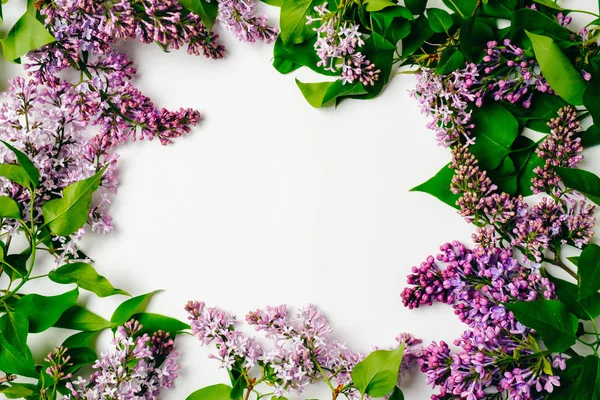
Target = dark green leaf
(66,215)
(439,20)
(591,100)
(240,384)
(14,328)
(377,374)
(292,57)
(26,34)
(587,308)
(80,339)
(582,181)
(588,270)
(550,4)
(9,208)
(419,33)
(43,311)
(323,93)
(474,35)
(294,29)
(13,361)
(32,173)
(451,60)
(591,137)
(588,383)
(439,187)
(534,21)
(156,322)
(80,319)
(562,76)
(391,24)
(207,11)
(396,394)
(214,392)
(417,7)
(505,176)
(86,277)
(80,357)
(495,132)
(17,264)
(463,7)
(130,307)
(551,319)
(568,380)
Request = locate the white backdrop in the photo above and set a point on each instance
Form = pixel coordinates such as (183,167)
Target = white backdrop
(270,201)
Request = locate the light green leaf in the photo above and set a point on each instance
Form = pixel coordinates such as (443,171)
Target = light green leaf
(80,319)
(323,93)
(27,34)
(18,390)
(9,208)
(86,277)
(130,307)
(562,76)
(214,392)
(294,29)
(378,5)
(207,11)
(66,215)
(43,311)
(14,361)
(14,328)
(549,4)
(377,374)
(27,165)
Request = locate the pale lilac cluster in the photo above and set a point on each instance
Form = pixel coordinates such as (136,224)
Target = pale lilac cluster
(301,353)
(337,47)
(58,361)
(507,221)
(239,17)
(506,74)
(447,99)
(138,368)
(561,148)
(47,125)
(477,283)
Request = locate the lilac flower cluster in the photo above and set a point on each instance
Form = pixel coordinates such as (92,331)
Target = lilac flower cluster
(337,44)
(505,74)
(139,367)
(239,17)
(477,283)
(301,354)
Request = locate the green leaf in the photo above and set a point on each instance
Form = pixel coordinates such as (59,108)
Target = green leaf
(505,176)
(378,5)
(588,383)
(474,35)
(391,24)
(80,319)
(15,173)
(323,93)
(396,394)
(439,187)
(43,311)
(86,277)
(274,3)
(439,20)
(568,380)
(9,208)
(132,306)
(18,390)
(550,4)
(587,308)
(292,57)
(214,392)
(534,21)
(32,172)
(14,328)
(80,357)
(588,271)
(451,60)
(27,34)
(420,32)
(417,7)
(80,339)
(377,374)
(17,262)
(591,100)
(551,319)
(13,361)
(591,137)
(464,7)
(495,132)
(207,11)
(155,322)
(582,181)
(240,384)
(294,29)
(66,215)
(562,76)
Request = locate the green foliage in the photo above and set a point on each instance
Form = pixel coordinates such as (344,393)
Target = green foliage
(591,100)
(130,307)
(86,277)
(439,186)
(18,390)
(214,392)
(451,60)
(29,168)
(44,311)
(582,181)
(588,271)
(323,93)
(206,10)
(439,20)
(377,374)
(81,319)
(551,319)
(9,208)
(155,322)
(294,29)
(586,308)
(557,69)
(27,34)
(591,137)
(66,215)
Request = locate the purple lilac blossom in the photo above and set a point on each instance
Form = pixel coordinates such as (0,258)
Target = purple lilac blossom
(477,283)
(139,367)
(239,17)
(337,44)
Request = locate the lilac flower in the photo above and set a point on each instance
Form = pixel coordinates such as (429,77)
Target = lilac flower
(337,47)
(138,368)
(238,16)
